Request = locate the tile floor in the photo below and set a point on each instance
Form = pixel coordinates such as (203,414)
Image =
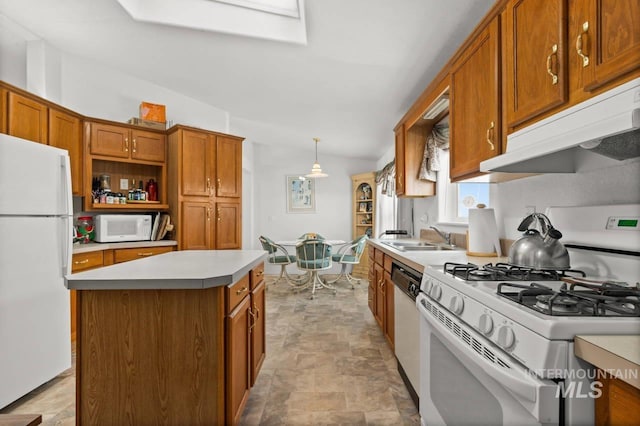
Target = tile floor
(327,364)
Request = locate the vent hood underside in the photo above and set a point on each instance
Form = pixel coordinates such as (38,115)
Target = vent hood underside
(607,124)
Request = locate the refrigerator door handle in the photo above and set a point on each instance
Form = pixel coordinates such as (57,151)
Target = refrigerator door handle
(66,240)
(65,177)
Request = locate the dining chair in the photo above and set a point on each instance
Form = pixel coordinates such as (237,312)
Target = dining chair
(314,255)
(311,236)
(278,255)
(349,254)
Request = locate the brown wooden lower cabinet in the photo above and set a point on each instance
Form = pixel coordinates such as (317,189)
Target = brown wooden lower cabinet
(619,403)
(172,357)
(381,293)
(258,330)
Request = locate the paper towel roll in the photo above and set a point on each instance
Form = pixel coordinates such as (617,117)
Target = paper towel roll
(483,233)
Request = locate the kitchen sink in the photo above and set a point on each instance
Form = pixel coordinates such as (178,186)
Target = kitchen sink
(418,246)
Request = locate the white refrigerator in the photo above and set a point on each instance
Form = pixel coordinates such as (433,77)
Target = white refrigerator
(36,225)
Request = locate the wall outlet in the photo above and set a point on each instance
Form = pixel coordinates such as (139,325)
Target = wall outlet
(124,184)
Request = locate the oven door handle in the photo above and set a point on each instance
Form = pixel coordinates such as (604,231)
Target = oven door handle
(519,381)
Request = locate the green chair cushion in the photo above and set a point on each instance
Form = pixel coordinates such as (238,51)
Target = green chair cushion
(281,259)
(348,258)
(314,264)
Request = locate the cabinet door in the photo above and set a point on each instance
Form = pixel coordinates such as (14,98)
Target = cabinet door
(611,40)
(379,313)
(197,163)
(389,311)
(65,131)
(28,119)
(109,140)
(400,166)
(148,146)
(536,58)
(228,225)
(195,233)
(258,330)
(4,97)
(228,167)
(237,361)
(475,113)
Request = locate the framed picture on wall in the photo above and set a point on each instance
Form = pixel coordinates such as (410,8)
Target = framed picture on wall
(301,195)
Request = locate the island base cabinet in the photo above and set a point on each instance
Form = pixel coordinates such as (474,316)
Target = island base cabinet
(619,403)
(150,357)
(238,358)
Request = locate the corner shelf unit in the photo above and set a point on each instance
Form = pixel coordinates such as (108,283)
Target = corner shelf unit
(363,188)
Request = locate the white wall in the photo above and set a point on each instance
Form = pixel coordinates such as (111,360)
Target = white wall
(332,217)
(615,184)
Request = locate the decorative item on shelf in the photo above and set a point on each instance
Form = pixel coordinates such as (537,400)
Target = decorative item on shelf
(153,112)
(362,207)
(316,171)
(366,192)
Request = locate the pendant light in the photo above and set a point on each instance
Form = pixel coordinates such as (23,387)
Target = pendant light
(316,171)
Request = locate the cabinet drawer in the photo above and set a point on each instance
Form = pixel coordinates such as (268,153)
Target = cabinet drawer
(387,263)
(379,257)
(125,255)
(236,292)
(257,275)
(83,261)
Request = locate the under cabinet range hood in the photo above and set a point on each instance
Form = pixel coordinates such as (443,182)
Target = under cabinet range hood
(607,124)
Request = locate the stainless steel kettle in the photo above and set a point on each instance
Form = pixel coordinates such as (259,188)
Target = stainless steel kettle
(539,249)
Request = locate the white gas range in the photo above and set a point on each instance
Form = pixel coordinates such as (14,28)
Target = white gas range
(497,341)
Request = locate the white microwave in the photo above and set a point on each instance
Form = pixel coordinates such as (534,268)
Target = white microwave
(111,228)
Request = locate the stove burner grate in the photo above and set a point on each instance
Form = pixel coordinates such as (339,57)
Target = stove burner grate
(505,271)
(606,300)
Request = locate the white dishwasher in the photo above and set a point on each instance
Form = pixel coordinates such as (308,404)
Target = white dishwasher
(407,325)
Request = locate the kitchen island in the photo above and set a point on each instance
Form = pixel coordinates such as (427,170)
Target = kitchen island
(176,338)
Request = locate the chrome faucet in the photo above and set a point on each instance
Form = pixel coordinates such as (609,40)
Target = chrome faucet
(445,235)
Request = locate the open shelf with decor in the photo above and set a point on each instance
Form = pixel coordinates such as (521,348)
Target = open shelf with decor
(364,214)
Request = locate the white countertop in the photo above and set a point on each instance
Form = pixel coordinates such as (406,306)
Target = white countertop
(189,269)
(85,248)
(619,355)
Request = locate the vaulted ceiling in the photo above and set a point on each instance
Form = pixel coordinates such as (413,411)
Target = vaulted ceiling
(364,64)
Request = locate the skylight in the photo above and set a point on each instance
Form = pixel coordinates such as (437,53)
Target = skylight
(279,7)
(279,20)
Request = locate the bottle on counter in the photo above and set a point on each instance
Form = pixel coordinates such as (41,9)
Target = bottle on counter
(152,190)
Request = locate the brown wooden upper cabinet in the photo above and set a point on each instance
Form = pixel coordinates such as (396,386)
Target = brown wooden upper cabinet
(197,152)
(400,175)
(535,57)
(559,53)
(228,167)
(606,34)
(27,118)
(4,98)
(475,108)
(65,131)
(126,143)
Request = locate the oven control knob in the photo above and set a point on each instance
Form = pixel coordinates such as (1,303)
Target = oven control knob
(427,285)
(456,305)
(485,324)
(506,337)
(436,292)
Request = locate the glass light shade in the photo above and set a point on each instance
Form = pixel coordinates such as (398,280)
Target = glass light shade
(316,172)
